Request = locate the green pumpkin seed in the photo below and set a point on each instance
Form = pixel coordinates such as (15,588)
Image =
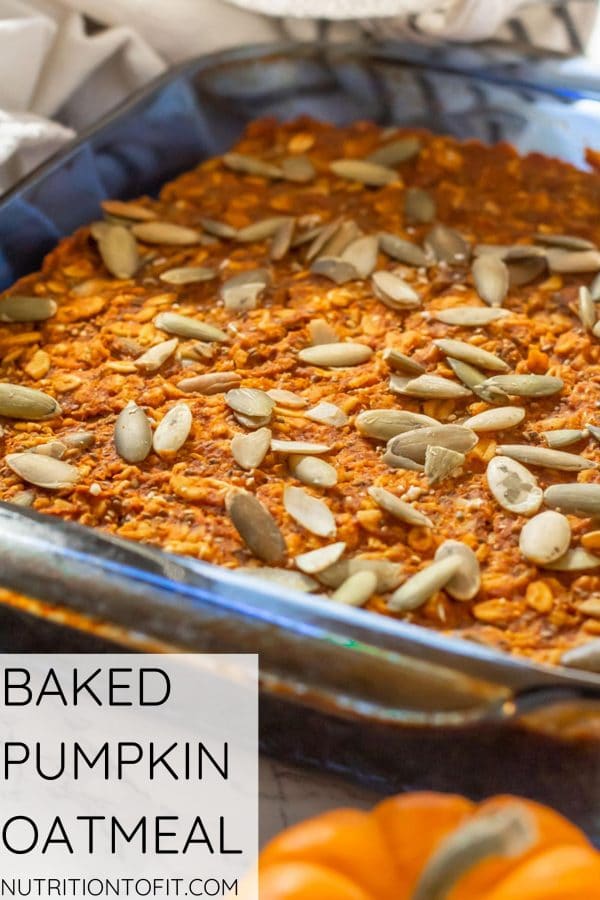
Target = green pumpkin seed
(218,229)
(490,275)
(250,402)
(548,459)
(18,402)
(394,291)
(309,512)
(251,165)
(317,560)
(156,356)
(575,499)
(466,582)
(43,471)
(514,487)
(469,353)
(187,275)
(447,245)
(324,235)
(367,173)
(413,444)
(526,385)
(395,461)
(133,434)
(337,270)
(312,471)
(419,206)
(425,584)
(282,239)
(383,424)
(256,526)
(173,430)
(399,362)
(343,237)
(249,450)
(404,251)
(356,590)
(185,326)
(440,463)
(395,152)
(17,308)
(398,508)
(333,355)
(545,538)
(470,316)
(119,251)
(260,231)
(475,380)
(166,233)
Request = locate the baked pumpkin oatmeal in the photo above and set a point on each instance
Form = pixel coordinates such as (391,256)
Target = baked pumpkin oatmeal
(362,362)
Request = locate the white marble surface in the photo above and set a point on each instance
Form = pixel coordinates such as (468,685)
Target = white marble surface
(289,794)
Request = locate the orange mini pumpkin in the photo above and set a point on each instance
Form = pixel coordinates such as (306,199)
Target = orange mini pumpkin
(427,846)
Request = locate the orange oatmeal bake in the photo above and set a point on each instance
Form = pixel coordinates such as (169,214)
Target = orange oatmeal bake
(332,346)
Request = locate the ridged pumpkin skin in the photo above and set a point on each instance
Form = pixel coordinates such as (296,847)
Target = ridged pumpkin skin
(380,855)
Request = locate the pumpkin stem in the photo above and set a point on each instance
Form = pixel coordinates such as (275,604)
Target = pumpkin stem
(506,832)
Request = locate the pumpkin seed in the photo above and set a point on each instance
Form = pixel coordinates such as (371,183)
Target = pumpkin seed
(173,430)
(469,375)
(251,165)
(545,538)
(17,308)
(404,251)
(187,275)
(565,241)
(249,401)
(156,356)
(356,589)
(241,291)
(286,578)
(524,271)
(514,487)
(447,245)
(388,573)
(337,270)
(323,237)
(166,233)
(470,316)
(428,387)
(185,326)
(309,512)
(343,237)
(394,461)
(440,462)
(469,353)
(398,508)
(260,231)
(282,239)
(576,499)
(321,332)
(249,450)
(367,173)
(419,206)
(18,402)
(526,385)
(333,355)
(133,434)
(218,229)
(587,309)
(399,362)
(135,212)
(362,254)
(287,398)
(420,588)
(466,582)
(312,471)
(211,383)
(383,424)
(328,414)
(548,459)
(395,152)
(394,291)
(585,657)
(500,419)
(413,444)
(298,169)
(298,447)
(563,437)
(119,252)
(575,560)
(256,526)
(56,449)
(316,560)
(568,261)
(79,440)
(43,471)
(490,275)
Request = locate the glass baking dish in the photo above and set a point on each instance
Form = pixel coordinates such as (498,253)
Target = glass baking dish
(387,701)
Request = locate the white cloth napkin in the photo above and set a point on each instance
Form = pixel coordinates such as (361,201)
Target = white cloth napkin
(63,63)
